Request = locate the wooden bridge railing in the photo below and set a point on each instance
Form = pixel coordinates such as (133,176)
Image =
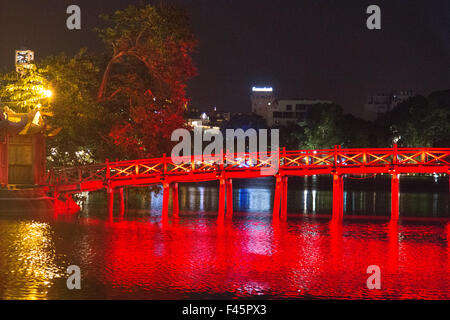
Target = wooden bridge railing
(361,159)
(225,167)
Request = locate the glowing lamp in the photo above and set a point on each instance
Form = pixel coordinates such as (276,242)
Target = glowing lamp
(262,89)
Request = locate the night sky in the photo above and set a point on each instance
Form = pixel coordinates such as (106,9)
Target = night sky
(302,48)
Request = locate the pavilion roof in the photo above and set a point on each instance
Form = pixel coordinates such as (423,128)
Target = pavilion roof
(25,123)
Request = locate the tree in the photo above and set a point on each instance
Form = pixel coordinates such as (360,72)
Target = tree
(292,136)
(25,93)
(438,119)
(323,127)
(145,80)
(85,123)
(420,121)
(122,104)
(357,133)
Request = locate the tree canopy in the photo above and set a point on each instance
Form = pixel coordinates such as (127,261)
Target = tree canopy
(121,103)
(145,79)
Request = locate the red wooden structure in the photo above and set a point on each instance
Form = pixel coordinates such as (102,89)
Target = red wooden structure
(22,148)
(336,162)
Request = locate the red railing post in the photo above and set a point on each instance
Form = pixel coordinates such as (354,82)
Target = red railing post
(279,158)
(164,163)
(335,155)
(108,173)
(394,154)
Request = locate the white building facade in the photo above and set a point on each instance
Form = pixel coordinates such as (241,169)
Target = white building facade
(280,112)
(262,99)
(291,111)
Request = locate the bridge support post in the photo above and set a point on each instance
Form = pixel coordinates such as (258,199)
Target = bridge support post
(229,187)
(283,214)
(338,197)
(222,192)
(277,197)
(175,203)
(166,195)
(121,202)
(395,191)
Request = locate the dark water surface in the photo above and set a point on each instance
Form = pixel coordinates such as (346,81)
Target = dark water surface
(195,256)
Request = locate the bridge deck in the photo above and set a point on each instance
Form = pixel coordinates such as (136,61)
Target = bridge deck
(225,167)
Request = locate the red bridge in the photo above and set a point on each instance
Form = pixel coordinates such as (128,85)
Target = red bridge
(113,176)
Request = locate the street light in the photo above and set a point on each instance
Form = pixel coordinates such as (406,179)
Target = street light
(48,93)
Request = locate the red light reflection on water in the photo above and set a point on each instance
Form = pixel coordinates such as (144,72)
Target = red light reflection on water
(198,258)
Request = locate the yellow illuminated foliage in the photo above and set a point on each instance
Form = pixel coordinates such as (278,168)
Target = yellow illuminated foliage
(27,92)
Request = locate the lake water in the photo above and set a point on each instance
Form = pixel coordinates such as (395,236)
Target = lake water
(195,256)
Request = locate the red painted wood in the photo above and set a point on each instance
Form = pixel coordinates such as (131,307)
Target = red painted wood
(277,198)
(229,204)
(395,191)
(175,202)
(166,195)
(284,186)
(222,193)
(338,196)
(121,202)
(235,166)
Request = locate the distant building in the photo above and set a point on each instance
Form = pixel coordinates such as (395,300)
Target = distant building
(280,112)
(262,99)
(217,118)
(285,112)
(206,120)
(195,117)
(378,104)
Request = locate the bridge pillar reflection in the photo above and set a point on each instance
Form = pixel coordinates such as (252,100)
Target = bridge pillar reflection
(166,194)
(121,202)
(280,198)
(338,196)
(222,192)
(229,187)
(395,191)
(277,197)
(110,192)
(283,214)
(175,202)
